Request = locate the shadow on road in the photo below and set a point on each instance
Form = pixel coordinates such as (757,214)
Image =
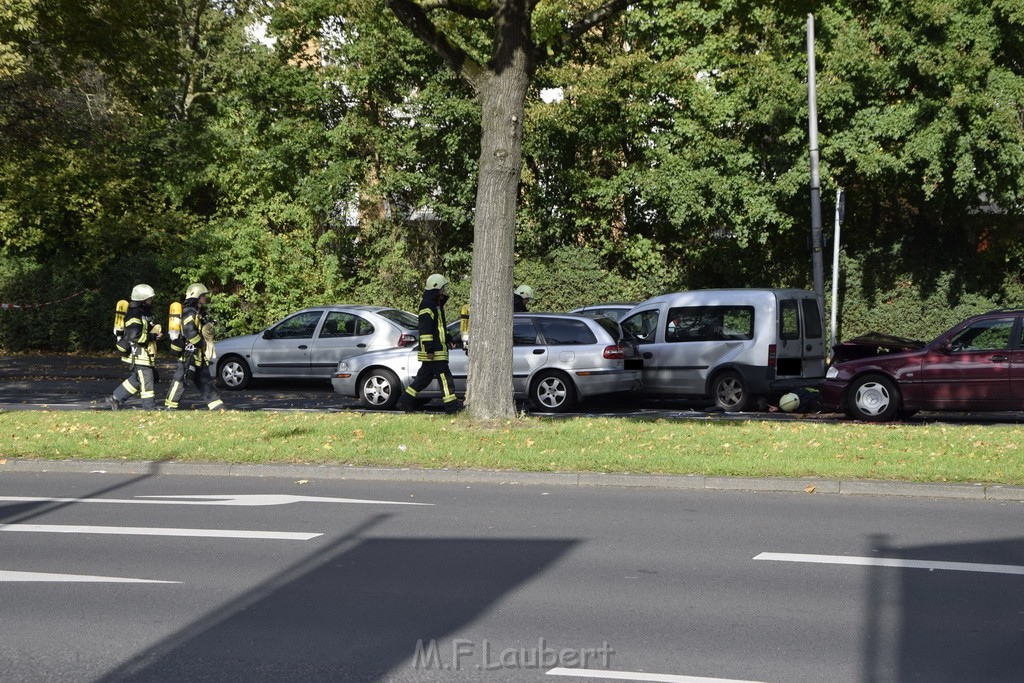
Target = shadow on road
(353,612)
(944,626)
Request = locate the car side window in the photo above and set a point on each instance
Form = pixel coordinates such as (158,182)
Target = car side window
(812,319)
(789,319)
(524,333)
(984,335)
(364,327)
(564,331)
(642,326)
(299,326)
(709,323)
(340,324)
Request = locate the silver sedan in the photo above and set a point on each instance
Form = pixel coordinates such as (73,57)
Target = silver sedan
(557,361)
(309,343)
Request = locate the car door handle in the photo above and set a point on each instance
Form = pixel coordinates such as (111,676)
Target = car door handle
(360,346)
(537,352)
(807,348)
(999,359)
(648,355)
(303,346)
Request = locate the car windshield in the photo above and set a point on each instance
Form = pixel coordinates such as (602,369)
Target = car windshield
(402,318)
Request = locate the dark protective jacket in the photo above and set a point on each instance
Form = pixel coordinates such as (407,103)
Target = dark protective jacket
(433,337)
(192,321)
(518,304)
(138,334)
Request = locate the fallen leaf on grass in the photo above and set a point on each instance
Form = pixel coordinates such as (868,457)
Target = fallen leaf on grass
(809,488)
(302,481)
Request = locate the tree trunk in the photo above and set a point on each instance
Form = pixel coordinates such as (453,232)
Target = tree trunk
(502,96)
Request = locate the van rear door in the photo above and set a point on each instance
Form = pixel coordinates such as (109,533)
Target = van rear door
(800,351)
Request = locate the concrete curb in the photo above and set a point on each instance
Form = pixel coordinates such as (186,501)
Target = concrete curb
(957,491)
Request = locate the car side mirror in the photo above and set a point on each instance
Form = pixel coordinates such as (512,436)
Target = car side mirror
(946,347)
(268,334)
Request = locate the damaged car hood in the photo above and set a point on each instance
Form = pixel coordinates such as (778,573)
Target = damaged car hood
(873,344)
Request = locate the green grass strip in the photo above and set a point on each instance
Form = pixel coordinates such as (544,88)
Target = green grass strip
(938,452)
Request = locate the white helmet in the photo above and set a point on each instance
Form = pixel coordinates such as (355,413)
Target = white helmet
(196,290)
(142,292)
(525,291)
(437,281)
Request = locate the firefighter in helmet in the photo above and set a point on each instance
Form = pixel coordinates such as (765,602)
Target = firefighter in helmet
(137,343)
(433,351)
(522,295)
(195,351)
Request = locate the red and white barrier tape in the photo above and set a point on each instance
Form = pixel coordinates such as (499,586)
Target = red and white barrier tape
(48,303)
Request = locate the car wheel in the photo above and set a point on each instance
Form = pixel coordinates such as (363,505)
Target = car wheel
(553,392)
(730,393)
(873,398)
(234,373)
(379,388)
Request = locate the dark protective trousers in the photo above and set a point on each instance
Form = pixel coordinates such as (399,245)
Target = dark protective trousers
(204,382)
(428,372)
(142,381)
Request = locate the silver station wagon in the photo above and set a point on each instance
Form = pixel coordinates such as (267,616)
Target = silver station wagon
(309,343)
(558,360)
(732,345)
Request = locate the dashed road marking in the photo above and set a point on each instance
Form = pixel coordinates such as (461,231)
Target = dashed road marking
(894,562)
(160,531)
(42,577)
(638,676)
(219,499)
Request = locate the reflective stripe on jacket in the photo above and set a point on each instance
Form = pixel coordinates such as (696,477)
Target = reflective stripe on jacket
(432,333)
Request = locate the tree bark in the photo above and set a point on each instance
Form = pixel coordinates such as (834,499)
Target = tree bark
(501,158)
(502,96)
(501,87)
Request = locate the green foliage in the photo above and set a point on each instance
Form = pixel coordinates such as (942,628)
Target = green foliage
(905,307)
(570,277)
(142,144)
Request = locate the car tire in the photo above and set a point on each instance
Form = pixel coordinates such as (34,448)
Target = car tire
(380,389)
(234,373)
(552,392)
(872,398)
(730,392)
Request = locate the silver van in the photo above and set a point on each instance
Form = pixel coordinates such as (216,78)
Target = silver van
(732,345)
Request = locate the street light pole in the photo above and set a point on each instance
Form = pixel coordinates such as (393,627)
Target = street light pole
(816,242)
(840,210)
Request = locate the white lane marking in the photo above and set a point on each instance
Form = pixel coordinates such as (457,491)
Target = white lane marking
(892,562)
(226,499)
(159,531)
(41,577)
(637,676)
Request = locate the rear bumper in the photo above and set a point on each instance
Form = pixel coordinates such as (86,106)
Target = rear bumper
(596,382)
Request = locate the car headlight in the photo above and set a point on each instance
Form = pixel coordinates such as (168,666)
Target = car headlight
(343,366)
(832,373)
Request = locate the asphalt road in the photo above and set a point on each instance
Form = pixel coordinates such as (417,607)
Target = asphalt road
(498,583)
(55,382)
(81,383)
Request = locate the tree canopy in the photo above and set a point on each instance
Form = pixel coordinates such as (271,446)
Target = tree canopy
(318,150)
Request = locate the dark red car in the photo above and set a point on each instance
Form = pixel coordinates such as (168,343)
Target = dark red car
(978,365)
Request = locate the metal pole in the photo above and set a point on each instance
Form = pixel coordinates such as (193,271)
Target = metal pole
(816,246)
(835,270)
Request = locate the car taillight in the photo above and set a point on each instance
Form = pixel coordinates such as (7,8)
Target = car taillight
(772,356)
(614,352)
(407,340)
